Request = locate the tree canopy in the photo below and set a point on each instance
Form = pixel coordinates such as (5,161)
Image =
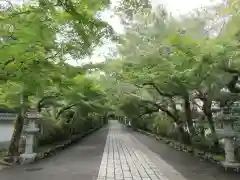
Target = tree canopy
(176,66)
(171,71)
(37,39)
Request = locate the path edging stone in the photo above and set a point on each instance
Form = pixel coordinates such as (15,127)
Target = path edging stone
(203,155)
(181,147)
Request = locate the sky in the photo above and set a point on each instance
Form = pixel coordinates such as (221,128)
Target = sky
(184,6)
(176,7)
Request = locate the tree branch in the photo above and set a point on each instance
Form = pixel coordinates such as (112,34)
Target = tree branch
(8,62)
(40,103)
(231,70)
(232,85)
(157,89)
(148,111)
(65,108)
(163,109)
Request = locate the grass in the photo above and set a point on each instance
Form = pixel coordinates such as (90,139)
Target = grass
(219,157)
(2,154)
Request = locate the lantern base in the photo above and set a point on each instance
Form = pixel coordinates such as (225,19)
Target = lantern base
(27,158)
(230,165)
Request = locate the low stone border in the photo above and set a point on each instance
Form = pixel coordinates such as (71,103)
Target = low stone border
(193,151)
(51,151)
(207,156)
(182,147)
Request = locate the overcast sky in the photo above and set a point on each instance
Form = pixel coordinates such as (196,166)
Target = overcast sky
(176,7)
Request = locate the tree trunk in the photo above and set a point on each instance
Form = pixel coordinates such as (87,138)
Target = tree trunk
(188,114)
(207,104)
(184,136)
(213,130)
(13,150)
(202,132)
(211,124)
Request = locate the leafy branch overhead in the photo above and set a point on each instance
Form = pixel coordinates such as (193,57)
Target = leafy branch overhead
(180,68)
(177,71)
(37,40)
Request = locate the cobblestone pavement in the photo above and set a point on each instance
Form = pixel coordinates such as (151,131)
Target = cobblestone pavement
(123,160)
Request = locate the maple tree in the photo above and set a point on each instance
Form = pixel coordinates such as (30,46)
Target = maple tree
(37,38)
(176,67)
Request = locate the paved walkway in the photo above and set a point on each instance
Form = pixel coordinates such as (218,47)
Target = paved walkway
(125,158)
(117,153)
(79,162)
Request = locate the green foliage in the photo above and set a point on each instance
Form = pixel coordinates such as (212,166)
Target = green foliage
(130,107)
(51,133)
(167,67)
(175,67)
(162,126)
(37,39)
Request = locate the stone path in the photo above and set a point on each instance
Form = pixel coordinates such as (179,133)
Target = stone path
(122,160)
(118,153)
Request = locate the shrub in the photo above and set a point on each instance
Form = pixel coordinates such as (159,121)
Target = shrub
(51,133)
(162,126)
(206,144)
(237,153)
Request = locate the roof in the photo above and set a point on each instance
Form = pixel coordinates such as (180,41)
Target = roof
(6,110)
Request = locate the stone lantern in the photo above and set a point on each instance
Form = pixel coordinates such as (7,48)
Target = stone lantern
(228,134)
(29,156)
(125,120)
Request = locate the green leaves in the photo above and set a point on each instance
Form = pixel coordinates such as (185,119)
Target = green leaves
(179,55)
(36,39)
